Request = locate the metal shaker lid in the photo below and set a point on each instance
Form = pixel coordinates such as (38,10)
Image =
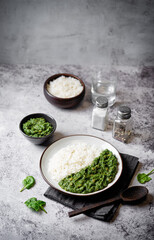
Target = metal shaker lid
(124,112)
(101,102)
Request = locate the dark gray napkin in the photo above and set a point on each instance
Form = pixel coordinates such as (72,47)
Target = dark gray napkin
(103,213)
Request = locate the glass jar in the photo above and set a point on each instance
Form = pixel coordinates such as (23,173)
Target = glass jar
(122,126)
(100,114)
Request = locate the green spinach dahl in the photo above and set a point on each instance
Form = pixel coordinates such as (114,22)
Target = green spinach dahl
(37,127)
(94,177)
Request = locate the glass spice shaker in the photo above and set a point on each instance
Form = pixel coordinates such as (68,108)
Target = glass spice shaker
(122,126)
(100,114)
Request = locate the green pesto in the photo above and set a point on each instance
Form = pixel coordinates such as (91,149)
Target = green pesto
(94,177)
(37,127)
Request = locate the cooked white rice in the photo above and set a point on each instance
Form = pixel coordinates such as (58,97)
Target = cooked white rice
(72,159)
(65,87)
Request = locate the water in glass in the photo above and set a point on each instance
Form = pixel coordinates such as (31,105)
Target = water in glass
(106,89)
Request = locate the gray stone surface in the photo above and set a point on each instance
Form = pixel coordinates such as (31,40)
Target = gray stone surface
(77,32)
(21,93)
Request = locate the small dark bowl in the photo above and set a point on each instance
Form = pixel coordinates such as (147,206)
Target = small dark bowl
(63,102)
(38,140)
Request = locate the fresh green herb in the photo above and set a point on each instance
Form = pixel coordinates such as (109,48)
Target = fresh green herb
(35,204)
(37,127)
(28,182)
(142,177)
(94,177)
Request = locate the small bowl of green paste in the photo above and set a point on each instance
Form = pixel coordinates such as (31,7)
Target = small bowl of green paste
(38,127)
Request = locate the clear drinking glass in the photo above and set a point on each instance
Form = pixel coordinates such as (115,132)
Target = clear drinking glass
(104,84)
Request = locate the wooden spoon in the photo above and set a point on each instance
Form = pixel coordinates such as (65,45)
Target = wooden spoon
(131,194)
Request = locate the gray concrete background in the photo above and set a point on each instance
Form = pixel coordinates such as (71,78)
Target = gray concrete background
(21,93)
(77,32)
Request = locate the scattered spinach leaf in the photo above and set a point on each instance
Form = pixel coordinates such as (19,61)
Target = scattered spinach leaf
(35,204)
(143,177)
(28,182)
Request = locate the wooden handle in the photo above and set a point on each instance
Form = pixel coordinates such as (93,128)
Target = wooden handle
(93,206)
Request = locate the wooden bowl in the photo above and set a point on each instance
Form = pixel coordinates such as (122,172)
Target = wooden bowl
(63,102)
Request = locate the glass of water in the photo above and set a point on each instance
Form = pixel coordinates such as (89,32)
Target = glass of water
(104,84)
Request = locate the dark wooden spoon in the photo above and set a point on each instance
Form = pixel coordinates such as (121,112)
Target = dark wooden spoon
(131,194)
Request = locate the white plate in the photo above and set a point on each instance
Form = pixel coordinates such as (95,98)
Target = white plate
(65,141)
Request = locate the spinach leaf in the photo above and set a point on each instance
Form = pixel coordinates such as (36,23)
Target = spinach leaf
(143,177)
(28,182)
(35,204)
